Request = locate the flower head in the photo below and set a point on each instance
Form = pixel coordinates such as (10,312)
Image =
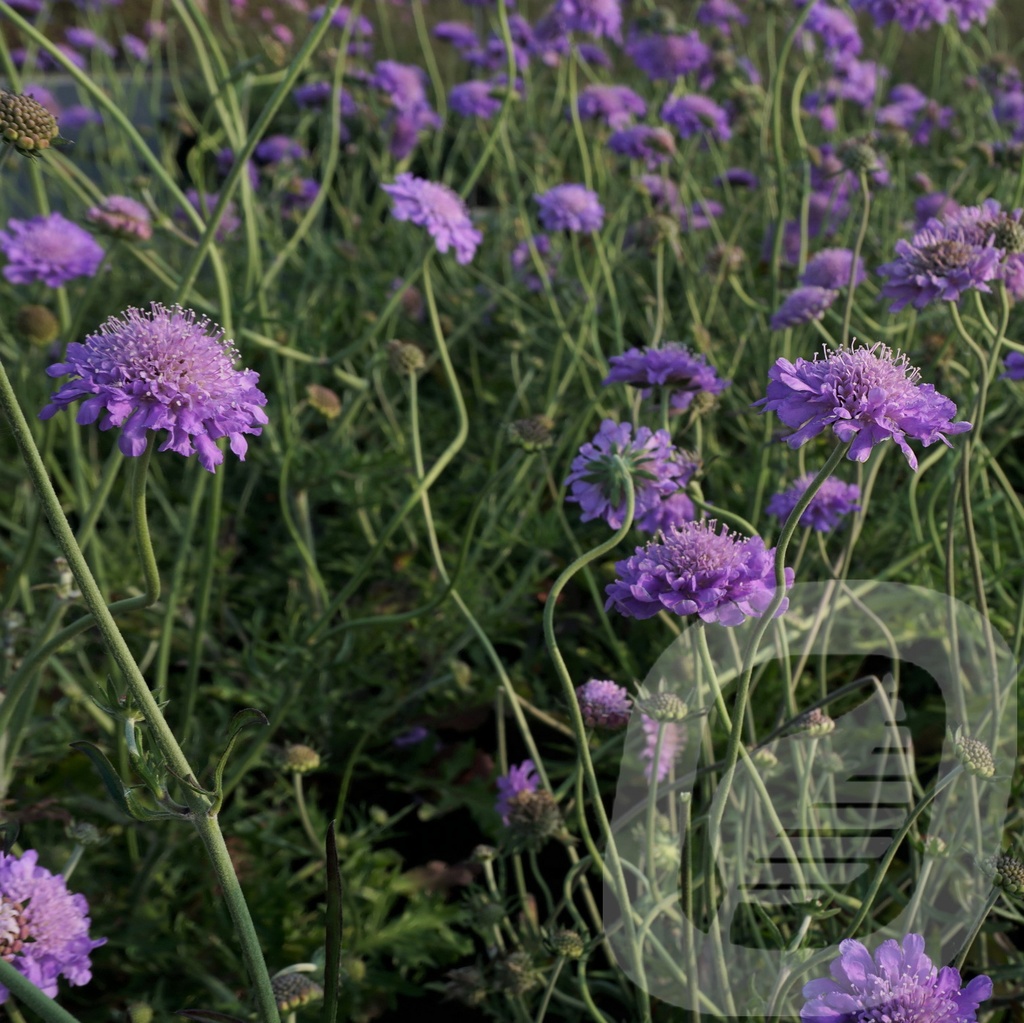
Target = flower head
(519,779)
(206,203)
(802,305)
(865,394)
(642,142)
(122,217)
(48,249)
(1014,363)
(474,99)
(437,208)
(672,367)
(616,105)
(26,123)
(598,18)
(697,568)
(570,208)
(668,56)
(910,15)
(672,741)
(899,983)
(831,268)
(596,478)
(603,704)
(44,929)
(833,500)
(696,115)
(165,369)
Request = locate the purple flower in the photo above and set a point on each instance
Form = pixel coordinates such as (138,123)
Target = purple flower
(616,105)
(912,111)
(668,56)
(76,117)
(45,927)
(865,394)
(404,86)
(939,263)
(833,500)
(720,14)
(519,779)
(437,208)
(278,148)
(166,369)
(673,367)
(966,11)
(411,737)
(697,568)
(599,18)
(802,305)
(910,15)
(459,33)
(900,983)
(48,249)
(934,204)
(595,479)
(695,115)
(673,738)
(340,18)
(673,510)
(570,208)
(738,177)
(603,704)
(206,203)
(86,39)
(831,268)
(835,29)
(641,142)
(122,217)
(135,47)
(474,99)
(298,194)
(1014,363)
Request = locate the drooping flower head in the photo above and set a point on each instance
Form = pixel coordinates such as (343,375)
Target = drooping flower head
(802,305)
(865,394)
(596,482)
(48,249)
(122,217)
(603,704)
(44,929)
(165,369)
(834,500)
(899,983)
(697,568)
(672,367)
(437,208)
(570,208)
(519,779)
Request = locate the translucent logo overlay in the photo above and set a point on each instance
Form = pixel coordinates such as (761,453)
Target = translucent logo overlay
(812,809)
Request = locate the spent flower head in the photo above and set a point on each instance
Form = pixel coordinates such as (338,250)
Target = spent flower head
(865,395)
(697,568)
(162,369)
(899,983)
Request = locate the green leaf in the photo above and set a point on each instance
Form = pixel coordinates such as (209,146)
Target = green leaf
(111,779)
(243,719)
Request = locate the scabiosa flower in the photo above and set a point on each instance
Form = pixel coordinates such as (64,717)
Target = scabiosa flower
(668,56)
(697,115)
(44,929)
(598,18)
(673,367)
(837,31)
(86,39)
(912,111)
(1014,363)
(720,14)
(831,268)
(165,369)
(865,394)
(474,99)
(934,204)
(570,208)
(829,505)
(642,142)
(48,249)
(603,704)
(206,203)
(966,11)
(595,480)
(122,217)
(899,983)
(673,510)
(279,148)
(437,208)
(802,305)
(697,568)
(519,779)
(672,741)
(939,263)
(616,105)
(459,33)
(910,15)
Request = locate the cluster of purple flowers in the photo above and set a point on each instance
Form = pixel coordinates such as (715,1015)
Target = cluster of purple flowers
(673,368)
(404,88)
(970,247)
(918,15)
(865,395)
(44,928)
(437,208)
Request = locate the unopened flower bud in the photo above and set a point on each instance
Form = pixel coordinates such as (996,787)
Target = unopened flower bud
(567,943)
(324,400)
(664,707)
(975,756)
(404,357)
(816,723)
(726,259)
(534,433)
(1005,872)
(860,156)
(299,759)
(1009,235)
(37,324)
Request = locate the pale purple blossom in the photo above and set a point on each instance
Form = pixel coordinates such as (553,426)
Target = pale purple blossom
(616,105)
(673,367)
(474,99)
(598,18)
(910,15)
(122,217)
(912,111)
(721,15)
(1014,363)
(802,305)
(831,268)
(51,250)
(642,142)
(695,115)
(570,207)
(603,704)
(437,208)
(668,57)
(832,502)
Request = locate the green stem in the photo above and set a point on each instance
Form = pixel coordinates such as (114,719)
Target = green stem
(24,990)
(844,337)
(552,981)
(965,948)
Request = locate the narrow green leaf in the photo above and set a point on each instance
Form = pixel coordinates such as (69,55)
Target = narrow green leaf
(243,719)
(111,779)
(332,953)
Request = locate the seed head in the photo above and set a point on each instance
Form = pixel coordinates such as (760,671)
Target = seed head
(534,433)
(37,324)
(299,759)
(1005,872)
(664,707)
(26,124)
(860,156)
(466,984)
(567,944)
(293,990)
(515,974)
(1009,235)
(404,357)
(975,756)
(533,818)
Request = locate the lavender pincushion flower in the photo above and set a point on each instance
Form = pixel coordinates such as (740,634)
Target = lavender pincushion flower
(802,305)
(667,56)
(44,928)
(519,779)
(899,983)
(834,500)
(694,115)
(865,394)
(617,105)
(474,99)
(603,704)
(642,142)
(598,18)
(910,15)
(831,268)
(571,208)
(697,568)
(672,366)
(1014,363)
(437,208)
(50,249)
(165,369)
(595,479)
(122,217)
